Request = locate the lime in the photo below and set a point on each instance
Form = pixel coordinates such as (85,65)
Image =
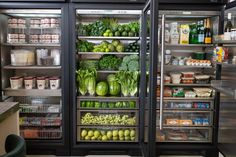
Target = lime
(110,34)
(108,31)
(106,34)
(107,50)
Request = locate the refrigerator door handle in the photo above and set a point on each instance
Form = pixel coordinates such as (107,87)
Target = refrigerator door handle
(162,70)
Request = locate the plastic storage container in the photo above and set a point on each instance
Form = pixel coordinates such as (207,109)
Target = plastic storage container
(22,57)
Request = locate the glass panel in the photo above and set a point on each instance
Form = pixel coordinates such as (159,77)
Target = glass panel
(31,75)
(187,70)
(184,135)
(108,51)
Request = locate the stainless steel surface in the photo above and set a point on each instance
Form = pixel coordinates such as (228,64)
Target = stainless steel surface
(227,115)
(162,70)
(32,92)
(226,87)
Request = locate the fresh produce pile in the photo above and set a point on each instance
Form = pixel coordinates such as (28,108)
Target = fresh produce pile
(133,47)
(109,62)
(86,80)
(84,46)
(107,119)
(130,63)
(109,27)
(94,29)
(123,82)
(108,135)
(110,105)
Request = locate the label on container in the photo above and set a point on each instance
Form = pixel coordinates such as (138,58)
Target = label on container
(200,38)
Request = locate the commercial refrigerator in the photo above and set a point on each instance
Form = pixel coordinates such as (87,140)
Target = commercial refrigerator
(182,124)
(34,72)
(118,136)
(225,85)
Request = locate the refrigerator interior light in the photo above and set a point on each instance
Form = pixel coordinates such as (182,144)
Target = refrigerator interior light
(32,12)
(113,12)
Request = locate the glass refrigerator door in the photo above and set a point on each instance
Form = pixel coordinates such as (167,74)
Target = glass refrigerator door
(31,69)
(185,100)
(108,51)
(226,86)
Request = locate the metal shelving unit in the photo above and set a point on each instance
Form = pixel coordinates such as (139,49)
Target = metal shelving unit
(32,67)
(33,92)
(111,53)
(107,38)
(30,45)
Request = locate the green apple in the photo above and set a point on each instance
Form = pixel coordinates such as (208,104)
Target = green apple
(109,134)
(90,133)
(84,133)
(115,133)
(121,133)
(127,138)
(104,138)
(127,133)
(93,138)
(132,138)
(115,138)
(121,138)
(103,132)
(100,137)
(132,133)
(87,138)
(96,133)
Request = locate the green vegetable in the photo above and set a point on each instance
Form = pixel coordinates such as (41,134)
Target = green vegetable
(109,62)
(111,104)
(118,104)
(88,104)
(86,80)
(120,48)
(83,104)
(102,88)
(84,46)
(128,81)
(132,104)
(114,88)
(130,63)
(104,105)
(111,78)
(97,104)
